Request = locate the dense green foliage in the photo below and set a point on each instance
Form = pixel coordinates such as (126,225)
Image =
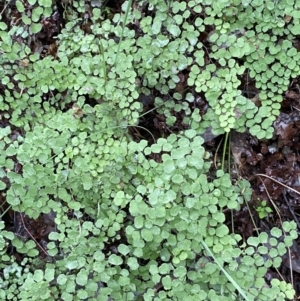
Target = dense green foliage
(129,227)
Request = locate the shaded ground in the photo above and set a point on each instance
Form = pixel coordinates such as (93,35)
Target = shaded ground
(272,166)
(273,169)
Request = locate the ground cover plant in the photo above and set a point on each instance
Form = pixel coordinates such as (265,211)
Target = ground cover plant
(124,212)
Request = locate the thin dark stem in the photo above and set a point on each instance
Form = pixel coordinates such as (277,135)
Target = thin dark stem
(32,236)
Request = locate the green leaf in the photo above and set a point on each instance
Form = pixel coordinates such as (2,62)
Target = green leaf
(263,237)
(141,189)
(277,262)
(288,241)
(66,296)
(36,13)
(45,3)
(64,195)
(190,133)
(253,241)
(49,274)
(123,249)
(169,166)
(153,269)
(295,29)
(276,232)
(82,277)
(132,263)
(6,234)
(32,253)
(139,222)
(156,27)
(61,279)
(174,30)
(2,185)
(115,260)
(273,253)
(164,268)
(74,205)
(87,182)
(170,196)
(23,157)
(156,148)
(262,250)
(38,275)
(3,26)
(12,199)
(71,264)
(167,282)
(119,198)
(178,178)
(287,226)
(35,27)
(82,294)
(222,231)
(180,272)
(20,6)
(147,235)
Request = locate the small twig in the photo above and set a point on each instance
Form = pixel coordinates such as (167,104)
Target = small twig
(289,250)
(215,157)
(290,208)
(282,278)
(31,235)
(291,267)
(5,211)
(274,205)
(4,8)
(224,151)
(277,211)
(287,187)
